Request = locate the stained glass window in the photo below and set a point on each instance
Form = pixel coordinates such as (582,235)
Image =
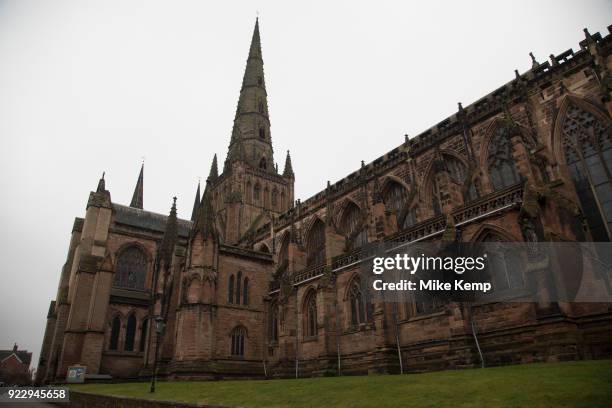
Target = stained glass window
(502,170)
(588,154)
(315,247)
(131,269)
(351,222)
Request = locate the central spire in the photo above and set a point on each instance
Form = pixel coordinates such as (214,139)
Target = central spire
(251,142)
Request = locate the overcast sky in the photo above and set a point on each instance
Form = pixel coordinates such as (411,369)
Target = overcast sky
(87,87)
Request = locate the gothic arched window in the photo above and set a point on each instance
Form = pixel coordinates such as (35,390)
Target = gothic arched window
(143,334)
(238,287)
(273,323)
(249,192)
(230,290)
(245,292)
(409,219)
(131,269)
(256,192)
(425,303)
(503,269)
(457,173)
(500,163)
(114,336)
(237,341)
(266,197)
(310,314)
(262,133)
(315,247)
(394,197)
(358,304)
(472,192)
(130,333)
(274,197)
(456,169)
(263,164)
(352,223)
(436,195)
(588,153)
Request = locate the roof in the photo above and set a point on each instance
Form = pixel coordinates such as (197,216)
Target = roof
(136,217)
(23,356)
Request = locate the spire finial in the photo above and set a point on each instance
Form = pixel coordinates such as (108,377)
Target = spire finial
(196,203)
(204,220)
(214,171)
(288,172)
(137,197)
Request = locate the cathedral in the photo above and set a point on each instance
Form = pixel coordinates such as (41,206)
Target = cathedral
(258,284)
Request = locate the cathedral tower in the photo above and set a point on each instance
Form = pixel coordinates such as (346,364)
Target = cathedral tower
(250,191)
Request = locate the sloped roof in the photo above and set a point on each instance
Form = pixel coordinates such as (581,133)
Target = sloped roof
(23,355)
(136,217)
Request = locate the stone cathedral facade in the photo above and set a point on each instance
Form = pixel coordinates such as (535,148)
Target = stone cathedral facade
(259,284)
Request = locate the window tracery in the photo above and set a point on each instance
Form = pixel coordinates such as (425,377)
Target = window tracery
(131,269)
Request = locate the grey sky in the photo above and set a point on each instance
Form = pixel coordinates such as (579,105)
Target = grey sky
(93,86)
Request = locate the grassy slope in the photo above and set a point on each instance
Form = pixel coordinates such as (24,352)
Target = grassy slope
(572,384)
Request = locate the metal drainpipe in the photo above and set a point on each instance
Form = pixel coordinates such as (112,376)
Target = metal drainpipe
(397,339)
(482,364)
(297,361)
(338,335)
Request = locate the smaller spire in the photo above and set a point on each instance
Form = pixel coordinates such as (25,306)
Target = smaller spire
(138,190)
(101,184)
(288,172)
(214,171)
(205,222)
(170,235)
(196,203)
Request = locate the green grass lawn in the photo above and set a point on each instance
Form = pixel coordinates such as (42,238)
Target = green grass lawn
(571,384)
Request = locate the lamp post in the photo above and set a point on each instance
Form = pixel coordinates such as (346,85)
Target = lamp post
(159,329)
